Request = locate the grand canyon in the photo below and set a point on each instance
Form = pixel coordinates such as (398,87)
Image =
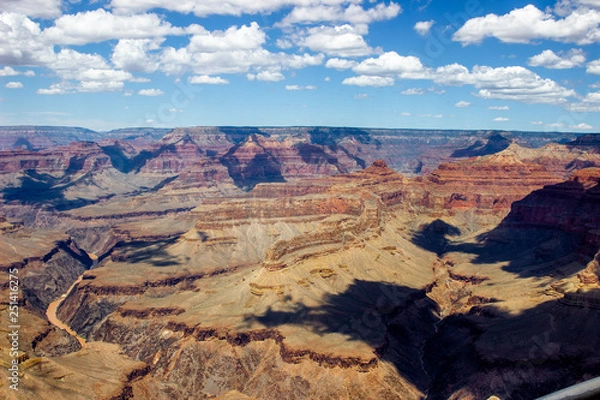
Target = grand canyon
(299,262)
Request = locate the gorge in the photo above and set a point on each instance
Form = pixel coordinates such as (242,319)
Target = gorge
(301,262)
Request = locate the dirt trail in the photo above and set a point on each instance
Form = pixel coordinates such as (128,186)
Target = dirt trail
(53,307)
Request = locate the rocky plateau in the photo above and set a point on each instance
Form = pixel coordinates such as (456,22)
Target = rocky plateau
(299,263)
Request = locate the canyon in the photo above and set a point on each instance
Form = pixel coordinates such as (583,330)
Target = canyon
(300,262)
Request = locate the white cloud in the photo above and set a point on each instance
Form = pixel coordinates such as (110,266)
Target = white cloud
(593,97)
(522,25)
(231,51)
(435,90)
(100,25)
(500,119)
(284,43)
(133,55)
(391,63)
(366,80)
(353,13)
(21,42)
(9,71)
(266,76)
(423,27)
(537,123)
(297,61)
(566,7)
(208,80)
(583,107)
(91,71)
(340,63)
(73,65)
(32,8)
(151,92)
(462,104)
(593,67)
(499,108)
(140,80)
(582,126)
(413,92)
(57,88)
(549,59)
(341,41)
(203,8)
(13,85)
(556,125)
(361,96)
(246,37)
(506,83)
(298,87)
(100,86)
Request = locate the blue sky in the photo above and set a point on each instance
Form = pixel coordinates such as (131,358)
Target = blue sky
(475,64)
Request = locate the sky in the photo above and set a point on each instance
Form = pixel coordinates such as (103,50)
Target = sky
(427,64)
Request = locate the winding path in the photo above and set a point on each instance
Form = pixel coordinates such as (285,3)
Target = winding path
(53,307)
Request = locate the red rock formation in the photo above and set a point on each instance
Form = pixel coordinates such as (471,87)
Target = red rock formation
(571,206)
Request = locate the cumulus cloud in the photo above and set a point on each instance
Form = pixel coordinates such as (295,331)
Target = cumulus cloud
(423,27)
(522,25)
(342,41)
(583,107)
(91,72)
(208,80)
(100,25)
(506,83)
(593,67)
(391,63)
(21,42)
(582,126)
(13,85)
(134,55)
(32,8)
(593,97)
(499,108)
(549,59)
(413,92)
(73,65)
(500,119)
(57,88)
(266,76)
(9,71)
(365,80)
(234,50)
(246,37)
(353,13)
(298,61)
(203,8)
(340,63)
(151,92)
(298,87)
(462,104)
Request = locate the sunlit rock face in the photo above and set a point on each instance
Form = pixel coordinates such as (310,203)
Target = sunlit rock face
(269,264)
